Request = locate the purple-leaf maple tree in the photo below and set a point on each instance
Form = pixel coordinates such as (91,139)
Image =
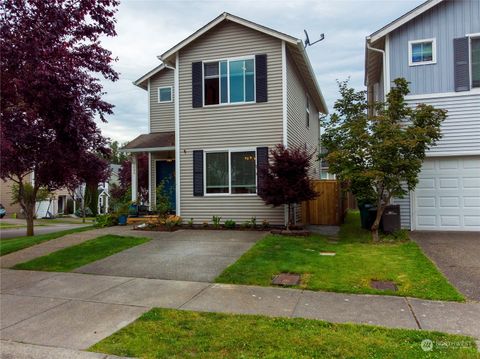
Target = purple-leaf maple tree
(286,180)
(50,95)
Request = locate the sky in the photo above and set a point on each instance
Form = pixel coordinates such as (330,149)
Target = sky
(146,29)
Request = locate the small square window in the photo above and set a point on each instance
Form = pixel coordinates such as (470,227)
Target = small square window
(422,52)
(164,94)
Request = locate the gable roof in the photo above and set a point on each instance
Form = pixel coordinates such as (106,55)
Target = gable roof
(395,24)
(374,59)
(294,45)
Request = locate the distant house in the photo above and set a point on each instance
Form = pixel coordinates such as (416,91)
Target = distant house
(219,101)
(436,47)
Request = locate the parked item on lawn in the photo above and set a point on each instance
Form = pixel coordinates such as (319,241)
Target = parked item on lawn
(391,219)
(367,214)
(3,211)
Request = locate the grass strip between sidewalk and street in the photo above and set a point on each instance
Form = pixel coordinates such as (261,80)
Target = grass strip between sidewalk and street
(169,333)
(357,261)
(10,245)
(68,259)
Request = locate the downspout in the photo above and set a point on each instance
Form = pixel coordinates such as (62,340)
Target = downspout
(384,62)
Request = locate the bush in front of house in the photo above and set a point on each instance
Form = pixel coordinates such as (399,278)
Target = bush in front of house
(106,220)
(229,224)
(88,212)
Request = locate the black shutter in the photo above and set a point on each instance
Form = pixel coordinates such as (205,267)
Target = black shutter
(261,78)
(197,82)
(198,173)
(262,166)
(461,64)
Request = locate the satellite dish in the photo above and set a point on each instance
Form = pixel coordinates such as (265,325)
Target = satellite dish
(307,39)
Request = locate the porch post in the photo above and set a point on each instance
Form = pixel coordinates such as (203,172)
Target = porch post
(134,178)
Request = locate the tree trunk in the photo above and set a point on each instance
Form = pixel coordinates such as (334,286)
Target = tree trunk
(83,208)
(376,223)
(29,217)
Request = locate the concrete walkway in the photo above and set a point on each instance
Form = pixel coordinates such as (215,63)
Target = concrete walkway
(43,229)
(53,245)
(74,311)
(457,255)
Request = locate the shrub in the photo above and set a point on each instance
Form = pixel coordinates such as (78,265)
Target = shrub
(106,220)
(173,221)
(88,212)
(253,221)
(190,222)
(265,224)
(163,204)
(216,221)
(246,224)
(205,224)
(229,223)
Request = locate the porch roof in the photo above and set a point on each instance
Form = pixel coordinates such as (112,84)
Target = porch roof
(151,142)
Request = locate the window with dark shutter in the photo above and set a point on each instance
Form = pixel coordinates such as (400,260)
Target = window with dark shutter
(461,63)
(198,173)
(261,78)
(262,165)
(197,92)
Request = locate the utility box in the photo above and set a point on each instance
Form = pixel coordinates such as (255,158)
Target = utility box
(391,219)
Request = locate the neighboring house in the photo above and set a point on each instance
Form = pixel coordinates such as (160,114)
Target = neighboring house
(436,47)
(56,204)
(220,100)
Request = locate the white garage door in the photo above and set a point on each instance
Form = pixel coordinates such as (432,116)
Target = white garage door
(447,196)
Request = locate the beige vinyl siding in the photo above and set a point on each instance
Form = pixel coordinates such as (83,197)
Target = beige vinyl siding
(162,115)
(6,198)
(298,134)
(219,127)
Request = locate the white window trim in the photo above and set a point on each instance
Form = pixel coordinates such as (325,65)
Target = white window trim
(470,37)
(434,52)
(171,93)
(229,151)
(228,103)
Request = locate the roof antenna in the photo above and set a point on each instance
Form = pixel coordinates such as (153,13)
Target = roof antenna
(307,39)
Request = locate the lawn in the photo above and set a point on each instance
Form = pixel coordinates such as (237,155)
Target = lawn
(65,220)
(356,263)
(68,259)
(168,333)
(10,245)
(6,225)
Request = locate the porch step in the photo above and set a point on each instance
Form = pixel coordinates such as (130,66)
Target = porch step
(143,219)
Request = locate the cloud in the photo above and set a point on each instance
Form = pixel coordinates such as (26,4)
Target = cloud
(148,28)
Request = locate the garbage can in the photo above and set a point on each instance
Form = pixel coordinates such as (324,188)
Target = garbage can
(364,215)
(391,219)
(372,214)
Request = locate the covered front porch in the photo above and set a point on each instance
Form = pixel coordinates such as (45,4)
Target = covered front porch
(159,148)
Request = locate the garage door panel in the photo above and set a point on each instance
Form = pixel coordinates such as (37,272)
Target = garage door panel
(448,195)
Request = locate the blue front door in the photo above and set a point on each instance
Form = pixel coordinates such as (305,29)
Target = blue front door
(166,172)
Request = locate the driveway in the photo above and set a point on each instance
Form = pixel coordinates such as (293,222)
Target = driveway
(457,255)
(185,255)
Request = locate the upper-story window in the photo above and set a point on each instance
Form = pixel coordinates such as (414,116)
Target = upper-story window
(165,94)
(422,52)
(229,81)
(475,57)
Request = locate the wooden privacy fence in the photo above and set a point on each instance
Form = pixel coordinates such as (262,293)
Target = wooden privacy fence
(329,207)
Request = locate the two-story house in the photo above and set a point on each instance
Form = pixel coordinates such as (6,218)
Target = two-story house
(436,47)
(218,102)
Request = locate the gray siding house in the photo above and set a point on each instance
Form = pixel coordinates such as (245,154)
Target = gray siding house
(218,102)
(436,47)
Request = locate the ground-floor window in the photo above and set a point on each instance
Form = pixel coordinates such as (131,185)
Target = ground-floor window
(230,172)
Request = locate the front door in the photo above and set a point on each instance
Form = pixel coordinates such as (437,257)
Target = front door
(165,171)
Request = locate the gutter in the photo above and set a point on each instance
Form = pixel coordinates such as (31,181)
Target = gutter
(384,63)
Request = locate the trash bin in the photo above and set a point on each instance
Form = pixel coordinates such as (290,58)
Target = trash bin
(364,215)
(391,219)
(372,214)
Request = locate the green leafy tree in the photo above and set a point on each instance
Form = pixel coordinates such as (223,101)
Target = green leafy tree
(378,148)
(117,157)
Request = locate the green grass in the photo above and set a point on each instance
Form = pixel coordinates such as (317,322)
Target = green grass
(168,333)
(68,259)
(356,263)
(65,220)
(6,225)
(10,245)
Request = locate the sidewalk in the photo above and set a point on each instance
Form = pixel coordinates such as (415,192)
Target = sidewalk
(74,311)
